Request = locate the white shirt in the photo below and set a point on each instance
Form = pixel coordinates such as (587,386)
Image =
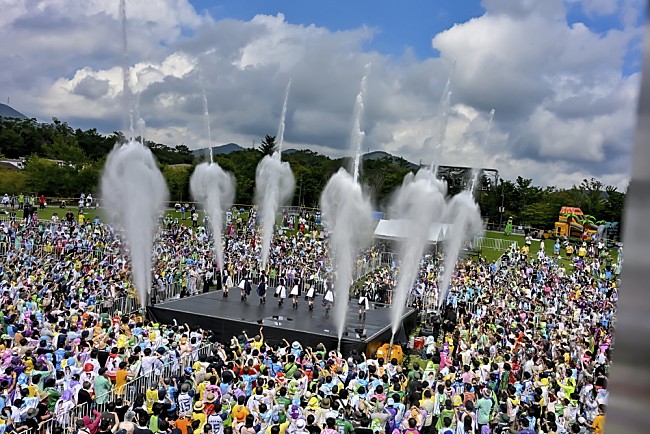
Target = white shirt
(216,423)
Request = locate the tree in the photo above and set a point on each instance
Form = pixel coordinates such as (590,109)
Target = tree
(12,181)
(64,148)
(46,177)
(594,200)
(613,207)
(178,181)
(11,143)
(268,146)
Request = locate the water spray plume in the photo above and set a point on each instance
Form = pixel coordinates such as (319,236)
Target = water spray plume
(206,116)
(464,214)
(357,132)
(126,72)
(141,127)
(274,185)
(477,173)
(417,203)
(283,116)
(347,215)
(215,189)
(134,192)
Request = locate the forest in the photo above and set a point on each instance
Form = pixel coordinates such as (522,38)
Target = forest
(61,161)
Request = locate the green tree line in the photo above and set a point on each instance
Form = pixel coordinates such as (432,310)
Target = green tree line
(63,162)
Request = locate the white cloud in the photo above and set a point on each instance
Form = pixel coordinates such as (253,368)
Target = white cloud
(564,109)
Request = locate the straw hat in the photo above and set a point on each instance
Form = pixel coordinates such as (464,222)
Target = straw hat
(198,406)
(210,398)
(313,403)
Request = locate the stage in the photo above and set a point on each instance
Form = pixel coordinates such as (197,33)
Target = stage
(227,317)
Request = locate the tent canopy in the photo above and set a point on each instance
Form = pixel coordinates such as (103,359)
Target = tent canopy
(396,230)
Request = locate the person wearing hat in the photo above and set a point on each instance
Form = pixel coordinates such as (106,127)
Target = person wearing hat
(483,408)
(301,427)
(199,415)
(209,399)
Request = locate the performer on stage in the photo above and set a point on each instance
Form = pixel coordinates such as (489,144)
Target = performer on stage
(364,304)
(207,280)
(328,299)
(245,286)
(261,288)
(227,283)
(295,292)
(281,292)
(311,291)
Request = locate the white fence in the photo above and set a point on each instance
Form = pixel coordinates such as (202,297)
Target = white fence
(491,243)
(128,392)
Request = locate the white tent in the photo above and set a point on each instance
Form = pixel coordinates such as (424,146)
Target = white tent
(396,230)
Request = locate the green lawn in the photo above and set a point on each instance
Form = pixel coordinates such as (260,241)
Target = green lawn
(493,255)
(47,213)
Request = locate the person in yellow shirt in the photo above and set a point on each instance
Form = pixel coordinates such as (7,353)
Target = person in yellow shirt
(598,425)
(198,414)
(200,389)
(151,396)
(258,341)
(121,378)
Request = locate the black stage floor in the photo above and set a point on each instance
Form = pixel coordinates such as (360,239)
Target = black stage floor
(227,317)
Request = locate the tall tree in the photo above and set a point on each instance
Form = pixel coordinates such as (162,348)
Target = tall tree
(268,145)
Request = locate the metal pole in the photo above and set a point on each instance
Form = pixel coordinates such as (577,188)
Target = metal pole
(501,207)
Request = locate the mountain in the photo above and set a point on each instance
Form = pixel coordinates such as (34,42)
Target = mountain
(377,155)
(223,149)
(380,155)
(9,112)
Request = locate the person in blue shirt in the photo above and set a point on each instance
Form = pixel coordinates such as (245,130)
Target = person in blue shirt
(169,384)
(248,381)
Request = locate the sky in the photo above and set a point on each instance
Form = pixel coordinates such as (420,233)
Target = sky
(562,76)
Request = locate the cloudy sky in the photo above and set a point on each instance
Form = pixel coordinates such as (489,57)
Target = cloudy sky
(563,76)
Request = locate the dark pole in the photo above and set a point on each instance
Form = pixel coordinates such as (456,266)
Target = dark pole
(501,207)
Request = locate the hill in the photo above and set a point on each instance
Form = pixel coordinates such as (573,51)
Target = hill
(10,112)
(380,155)
(218,150)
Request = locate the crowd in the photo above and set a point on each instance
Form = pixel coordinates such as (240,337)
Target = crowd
(524,345)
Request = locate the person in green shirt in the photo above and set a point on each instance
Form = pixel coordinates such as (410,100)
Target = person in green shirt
(52,392)
(102,386)
(284,401)
(483,408)
(343,426)
(446,412)
(41,373)
(416,368)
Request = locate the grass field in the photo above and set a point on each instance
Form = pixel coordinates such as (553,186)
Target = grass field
(493,255)
(91,213)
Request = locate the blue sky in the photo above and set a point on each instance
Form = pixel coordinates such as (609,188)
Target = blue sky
(399,25)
